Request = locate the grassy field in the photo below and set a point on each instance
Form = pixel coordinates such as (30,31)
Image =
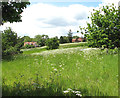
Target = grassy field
(68,71)
(62,46)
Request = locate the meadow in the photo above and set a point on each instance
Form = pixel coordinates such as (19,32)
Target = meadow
(71,70)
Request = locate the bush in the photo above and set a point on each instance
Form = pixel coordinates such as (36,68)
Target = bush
(29,46)
(11,43)
(52,43)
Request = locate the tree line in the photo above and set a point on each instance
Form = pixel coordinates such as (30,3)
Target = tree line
(12,43)
(102,32)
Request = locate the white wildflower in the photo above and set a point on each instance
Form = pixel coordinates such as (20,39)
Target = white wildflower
(77,92)
(69,89)
(79,95)
(60,66)
(65,92)
(55,69)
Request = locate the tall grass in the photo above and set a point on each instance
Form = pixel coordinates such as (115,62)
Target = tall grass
(89,71)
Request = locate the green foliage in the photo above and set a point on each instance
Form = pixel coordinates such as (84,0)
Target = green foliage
(29,46)
(70,36)
(41,39)
(110,51)
(52,43)
(104,30)
(11,11)
(75,37)
(11,44)
(63,39)
(27,39)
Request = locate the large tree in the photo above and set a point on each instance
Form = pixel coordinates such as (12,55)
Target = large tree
(11,11)
(104,29)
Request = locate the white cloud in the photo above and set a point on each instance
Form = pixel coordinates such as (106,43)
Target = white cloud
(52,20)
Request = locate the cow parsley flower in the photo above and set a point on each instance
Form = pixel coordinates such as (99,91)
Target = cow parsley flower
(55,69)
(60,66)
(65,92)
(79,95)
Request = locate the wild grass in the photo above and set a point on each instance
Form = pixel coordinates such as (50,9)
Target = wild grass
(62,46)
(90,72)
(73,45)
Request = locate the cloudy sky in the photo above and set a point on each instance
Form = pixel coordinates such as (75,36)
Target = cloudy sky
(56,17)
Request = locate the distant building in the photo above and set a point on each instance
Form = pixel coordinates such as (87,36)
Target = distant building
(30,43)
(79,40)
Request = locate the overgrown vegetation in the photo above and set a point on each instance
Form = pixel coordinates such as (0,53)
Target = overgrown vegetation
(91,72)
(11,43)
(104,29)
(72,70)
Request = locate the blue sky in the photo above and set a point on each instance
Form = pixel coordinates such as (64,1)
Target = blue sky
(65,4)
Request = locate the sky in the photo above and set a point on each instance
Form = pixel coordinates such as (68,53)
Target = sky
(56,17)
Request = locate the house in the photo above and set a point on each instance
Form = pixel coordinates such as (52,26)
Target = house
(79,40)
(30,43)
(73,40)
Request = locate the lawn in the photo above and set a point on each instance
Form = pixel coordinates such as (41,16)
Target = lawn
(61,72)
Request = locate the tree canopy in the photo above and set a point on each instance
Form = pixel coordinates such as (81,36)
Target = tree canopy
(41,39)
(11,11)
(104,29)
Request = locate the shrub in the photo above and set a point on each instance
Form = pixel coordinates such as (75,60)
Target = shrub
(11,43)
(52,43)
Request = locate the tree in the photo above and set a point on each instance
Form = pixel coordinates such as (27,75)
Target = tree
(104,30)
(11,11)
(64,39)
(27,39)
(61,39)
(41,39)
(52,43)
(10,43)
(70,36)
(76,37)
